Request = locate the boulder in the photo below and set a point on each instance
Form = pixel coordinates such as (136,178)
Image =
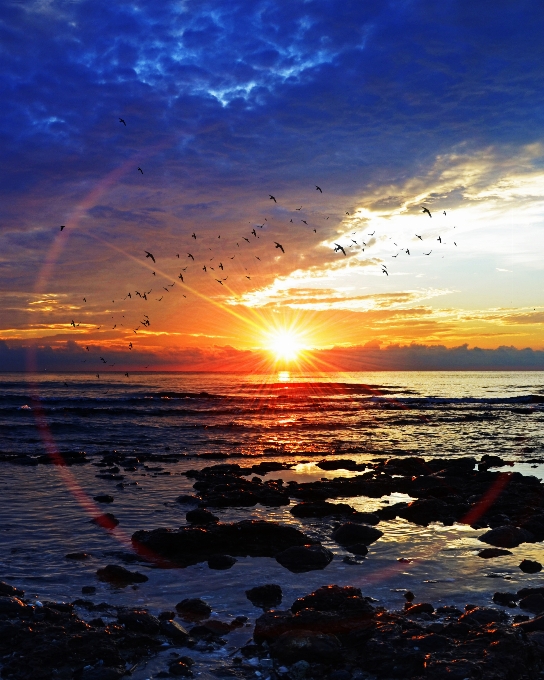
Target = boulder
(174,630)
(221,561)
(139,621)
(321,509)
(350,534)
(488,553)
(6,589)
(201,517)
(299,559)
(307,645)
(103,498)
(119,576)
(506,537)
(11,606)
(530,566)
(106,521)
(533,603)
(266,597)
(193,609)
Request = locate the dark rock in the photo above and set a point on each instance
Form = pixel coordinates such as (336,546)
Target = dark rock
(488,553)
(480,616)
(119,576)
(299,559)
(11,606)
(201,517)
(6,589)
(371,518)
(266,597)
(102,673)
(77,556)
(533,603)
(104,498)
(187,498)
(139,622)
(190,545)
(424,511)
(174,630)
(306,645)
(530,566)
(357,549)
(506,537)
(88,590)
(166,616)
(505,599)
(340,464)
(419,608)
(488,461)
(531,625)
(179,669)
(321,509)
(350,533)
(221,561)
(340,674)
(536,526)
(330,598)
(409,596)
(530,591)
(106,521)
(193,609)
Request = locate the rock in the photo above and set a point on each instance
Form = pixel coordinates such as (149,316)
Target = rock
(190,545)
(357,549)
(201,517)
(321,509)
(11,606)
(299,559)
(266,597)
(106,521)
(330,598)
(480,616)
(505,599)
(419,608)
(174,630)
(340,674)
(104,498)
(77,556)
(506,536)
(193,609)
(88,590)
(186,498)
(350,533)
(426,510)
(102,673)
(166,616)
(299,670)
(139,622)
(533,603)
(371,518)
(180,669)
(6,589)
(120,576)
(221,561)
(488,553)
(530,566)
(531,625)
(306,645)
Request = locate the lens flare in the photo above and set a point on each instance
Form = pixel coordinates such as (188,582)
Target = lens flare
(285,345)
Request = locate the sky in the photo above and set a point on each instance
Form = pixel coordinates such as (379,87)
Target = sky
(386,106)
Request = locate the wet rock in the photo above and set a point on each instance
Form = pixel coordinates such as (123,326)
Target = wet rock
(488,553)
(321,509)
(506,537)
(193,609)
(190,545)
(6,589)
(104,498)
(340,464)
(166,616)
(201,517)
(530,566)
(357,549)
(106,521)
(488,461)
(221,561)
(480,616)
(174,630)
(299,559)
(266,597)
(304,645)
(419,608)
(531,625)
(187,498)
(120,576)
(139,621)
(505,599)
(370,518)
(331,598)
(77,556)
(424,511)
(11,606)
(533,603)
(179,669)
(350,533)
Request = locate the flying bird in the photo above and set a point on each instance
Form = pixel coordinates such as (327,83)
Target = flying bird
(254,232)
(219,281)
(272,198)
(126,374)
(221,265)
(140,169)
(84,299)
(204,268)
(189,255)
(177,255)
(419,237)
(444,212)
(73,323)
(122,121)
(130,345)
(318,188)
(426,210)
(385,271)
(166,289)
(430,251)
(306,223)
(245,239)
(278,245)
(180,277)
(339,247)
(193,235)
(407,251)
(439,239)
(148,254)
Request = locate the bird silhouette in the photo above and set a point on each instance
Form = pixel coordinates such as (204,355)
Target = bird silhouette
(122,121)
(180,277)
(245,239)
(193,235)
(63,226)
(219,281)
(372,234)
(430,251)
(419,237)
(221,265)
(130,345)
(204,268)
(126,374)
(254,232)
(306,223)
(339,247)
(140,169)
(407,251)
(444,212)
(278,245)
(272,198)
(318,188)
(84,299)
(426,210)
(148,254)
(189,255)
(439,239)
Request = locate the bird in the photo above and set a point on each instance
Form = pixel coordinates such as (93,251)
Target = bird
(315,231)
(318,188)
(166,289)
(407,251)
(130,345)
(73,323)
(426,210)
(444,212)
(87,348)
(254,232)
(221,265)
(278,245)
(122,121)
(245,239)
(138,293)
(306,223)
(299,208)
(248,277)
(148,254)
(177,255)
(98,375)
(140,169)
(354,241)
(372,234)
(126,374)
(219,281)
(395,255)
(419,237)
(385,271)
(339,247)
(158,300)
(430,251)
(204,267)
(189,255)
(258,257)
(84,299)
(439,239)
(180,277)
(193,235)
(454,243)
(272,198)
(291,221)
(171,285)
(144,296)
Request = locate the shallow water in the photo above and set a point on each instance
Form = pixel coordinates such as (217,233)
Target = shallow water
(45,510)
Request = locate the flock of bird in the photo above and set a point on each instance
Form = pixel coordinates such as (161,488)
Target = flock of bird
(207,268)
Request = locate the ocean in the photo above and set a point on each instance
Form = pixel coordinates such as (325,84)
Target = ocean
(162,424)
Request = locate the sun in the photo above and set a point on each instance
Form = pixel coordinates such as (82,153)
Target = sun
(285,345)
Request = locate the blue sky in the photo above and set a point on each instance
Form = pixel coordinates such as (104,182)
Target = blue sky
(386,106)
